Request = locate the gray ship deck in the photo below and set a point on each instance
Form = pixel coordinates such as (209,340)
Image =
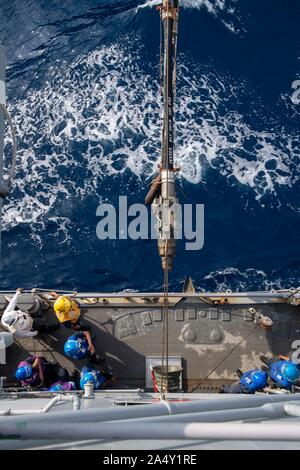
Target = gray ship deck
(197,421)
(214,334)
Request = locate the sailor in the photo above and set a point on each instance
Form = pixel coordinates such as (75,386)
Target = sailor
(250,382)
(20,323)
(37,372)
(80,346)
(67,311)
(283,373)
(99,378)
(61,386)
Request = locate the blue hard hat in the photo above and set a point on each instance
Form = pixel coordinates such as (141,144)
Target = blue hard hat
(254,380)
(291,372)
(88,377)
(259,379)
(24,372)
(76,348)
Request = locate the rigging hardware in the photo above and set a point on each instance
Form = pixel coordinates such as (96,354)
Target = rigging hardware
(162,194)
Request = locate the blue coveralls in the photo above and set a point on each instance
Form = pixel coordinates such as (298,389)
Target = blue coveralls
(277,374)
(245,385)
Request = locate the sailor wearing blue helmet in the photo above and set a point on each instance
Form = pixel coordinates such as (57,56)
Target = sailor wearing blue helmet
(80,346)
(250,382)
(283,373)
(99,378)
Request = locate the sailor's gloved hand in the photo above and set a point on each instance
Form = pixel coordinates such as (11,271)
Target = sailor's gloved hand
(53,294)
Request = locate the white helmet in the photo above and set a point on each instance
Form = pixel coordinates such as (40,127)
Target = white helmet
(10,319)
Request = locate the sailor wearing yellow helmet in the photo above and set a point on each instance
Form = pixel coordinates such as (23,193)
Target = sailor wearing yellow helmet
(67,311)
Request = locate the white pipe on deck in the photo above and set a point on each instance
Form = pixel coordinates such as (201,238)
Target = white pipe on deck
(292,410)
(62,398)
(54,401)
(123,431)
(267,411)
(160,409)
(10,412)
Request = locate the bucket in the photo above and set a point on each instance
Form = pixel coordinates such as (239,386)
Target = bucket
(166,379)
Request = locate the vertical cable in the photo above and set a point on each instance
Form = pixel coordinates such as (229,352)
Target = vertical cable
(168,72)
(161,54)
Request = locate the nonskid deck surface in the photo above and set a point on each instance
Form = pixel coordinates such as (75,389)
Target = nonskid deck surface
(212,337)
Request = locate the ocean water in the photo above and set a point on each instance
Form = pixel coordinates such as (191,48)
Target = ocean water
(83,90)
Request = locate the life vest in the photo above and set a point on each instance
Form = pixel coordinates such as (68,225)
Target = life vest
(71,311)
(277,374)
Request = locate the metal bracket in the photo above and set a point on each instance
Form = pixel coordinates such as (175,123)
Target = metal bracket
(263,321)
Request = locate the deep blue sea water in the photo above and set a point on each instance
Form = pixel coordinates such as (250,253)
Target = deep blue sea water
(82,85)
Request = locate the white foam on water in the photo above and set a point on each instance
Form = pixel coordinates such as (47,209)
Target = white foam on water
(213,6)
(101,117)
(224,10)
(233,279)
(210,130)
(291,98)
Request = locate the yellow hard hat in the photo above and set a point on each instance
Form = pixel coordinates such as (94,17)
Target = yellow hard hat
(62,304)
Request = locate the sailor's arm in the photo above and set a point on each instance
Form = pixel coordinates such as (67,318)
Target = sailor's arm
(284,358)
(12,304)
(25,333)
(38,363)
(51,295)
(88,337)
